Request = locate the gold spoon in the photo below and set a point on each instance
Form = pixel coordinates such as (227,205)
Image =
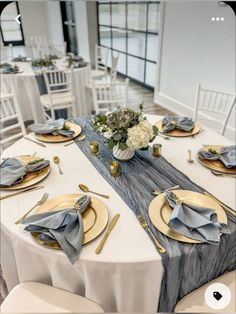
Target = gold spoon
(80,138)
(84,188)
(190,160)
(56,161)
(166,137)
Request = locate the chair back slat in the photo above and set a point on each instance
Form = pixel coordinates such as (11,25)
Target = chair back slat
(57,80)
(109,96)
(10,118)
(101,58)
(218,103)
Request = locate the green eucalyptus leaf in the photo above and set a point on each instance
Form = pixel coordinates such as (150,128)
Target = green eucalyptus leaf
(117,137)
(123,146)
(155,129)
(111,144)
(144,148)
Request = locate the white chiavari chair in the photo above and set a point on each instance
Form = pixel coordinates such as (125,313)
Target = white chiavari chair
(5,54)
(215,106)
(195,301)
(11,121)
(101,60)
(40,46)
(58,49)
(109,96)
(113,70)
(59,93)
(46,299)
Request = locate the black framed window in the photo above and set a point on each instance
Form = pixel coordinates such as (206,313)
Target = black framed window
(69,26)
(131,28)
(11,31)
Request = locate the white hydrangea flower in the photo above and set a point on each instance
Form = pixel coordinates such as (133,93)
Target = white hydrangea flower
(140,135)
(108,134)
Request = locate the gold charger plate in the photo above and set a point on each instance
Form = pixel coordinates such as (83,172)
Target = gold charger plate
(159,212)
(49,138)
(216,165)
(95,218)
(179,133)
(30,178)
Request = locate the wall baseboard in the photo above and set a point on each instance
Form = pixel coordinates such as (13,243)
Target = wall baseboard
(180,108)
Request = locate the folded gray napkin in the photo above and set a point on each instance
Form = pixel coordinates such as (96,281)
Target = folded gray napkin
(182,123)
(195,222)
(54,127)
(12,170)
(62,226)
(226,154)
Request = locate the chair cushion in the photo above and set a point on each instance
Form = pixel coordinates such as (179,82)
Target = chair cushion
(36,297)
(195,301)
(96,74)
(58,99)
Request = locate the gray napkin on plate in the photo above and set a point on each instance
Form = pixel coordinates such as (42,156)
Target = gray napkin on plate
(226,154)
(195,222)
(170,123)
(54,127)
(62,226)
(12,170)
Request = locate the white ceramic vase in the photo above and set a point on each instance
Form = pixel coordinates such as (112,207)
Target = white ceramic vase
(123,154)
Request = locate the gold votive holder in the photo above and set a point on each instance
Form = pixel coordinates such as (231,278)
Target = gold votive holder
(94,147)
(115,168)
(156,150)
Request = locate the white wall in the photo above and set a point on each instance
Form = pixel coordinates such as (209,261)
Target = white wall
(195,50)
(41,18)
(86,27)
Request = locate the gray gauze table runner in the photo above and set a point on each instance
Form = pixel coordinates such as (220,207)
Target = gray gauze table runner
(186,266)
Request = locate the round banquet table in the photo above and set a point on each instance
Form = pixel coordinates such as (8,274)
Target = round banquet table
(127,275)
(28,94)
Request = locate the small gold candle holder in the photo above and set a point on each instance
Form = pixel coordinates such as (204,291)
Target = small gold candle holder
(94,147)
(157,150)
(115,168)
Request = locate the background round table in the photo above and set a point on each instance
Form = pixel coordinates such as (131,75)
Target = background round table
(28,92)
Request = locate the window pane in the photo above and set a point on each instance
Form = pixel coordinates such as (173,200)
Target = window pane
(9,12)
(137,16)
(121,66)
(105,36)
(136,68)
(119,39)
(104,14)
(118,15)
(136,44)
(153,17)
(150,73)
(152,47)
(11,31)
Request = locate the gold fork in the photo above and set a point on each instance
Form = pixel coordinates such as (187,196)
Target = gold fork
(40,202)
(145,226)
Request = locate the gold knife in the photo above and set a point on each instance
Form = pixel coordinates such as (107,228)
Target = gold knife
(109,229)
(32,188)
(36,142)
(226,207)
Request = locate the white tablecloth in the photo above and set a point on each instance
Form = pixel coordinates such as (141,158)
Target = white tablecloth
(25,86)
(126,276)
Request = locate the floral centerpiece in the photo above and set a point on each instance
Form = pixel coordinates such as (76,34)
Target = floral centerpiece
(125,131)
(75,61)
(42,62)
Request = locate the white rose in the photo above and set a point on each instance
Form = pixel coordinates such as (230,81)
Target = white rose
(140,135)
